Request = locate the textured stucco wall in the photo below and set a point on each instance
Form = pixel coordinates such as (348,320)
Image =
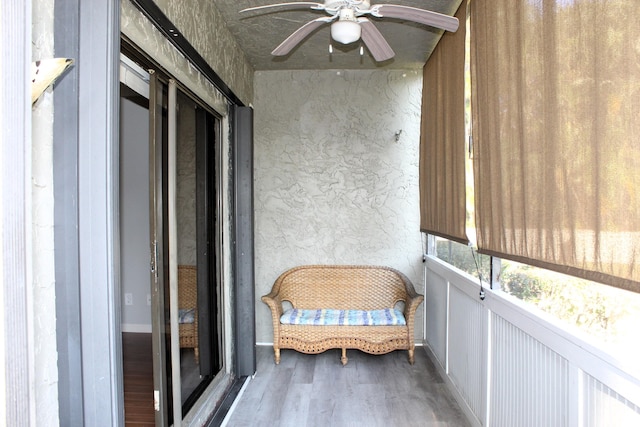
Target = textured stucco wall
(45,359)
(135,25)
(332,184)
(201,23)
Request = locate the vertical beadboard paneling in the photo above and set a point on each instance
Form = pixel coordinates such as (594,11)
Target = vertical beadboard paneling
(529,381)
(467,324)
(534,374)
(18,394)
(435,300)
(604,407)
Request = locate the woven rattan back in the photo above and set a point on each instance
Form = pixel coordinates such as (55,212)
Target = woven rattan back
(342,287)
(187,287)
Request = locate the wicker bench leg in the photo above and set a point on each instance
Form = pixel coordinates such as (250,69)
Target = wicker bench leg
(276,355)
(344,358)
(411,358)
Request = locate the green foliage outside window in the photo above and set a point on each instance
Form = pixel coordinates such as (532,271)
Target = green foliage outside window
(603,312)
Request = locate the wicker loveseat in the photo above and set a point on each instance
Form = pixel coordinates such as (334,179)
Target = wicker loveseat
(347,294)
(188,308)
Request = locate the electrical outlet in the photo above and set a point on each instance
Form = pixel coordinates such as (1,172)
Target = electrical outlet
(128,299)
(148,299)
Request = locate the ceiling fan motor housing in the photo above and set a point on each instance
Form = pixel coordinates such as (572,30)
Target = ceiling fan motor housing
(338,4)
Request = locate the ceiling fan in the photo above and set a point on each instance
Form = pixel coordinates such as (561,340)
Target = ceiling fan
(349,24)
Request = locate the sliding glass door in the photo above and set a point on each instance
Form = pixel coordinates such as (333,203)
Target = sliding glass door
(184,242)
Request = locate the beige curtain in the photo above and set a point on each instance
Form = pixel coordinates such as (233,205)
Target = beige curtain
(556,122)
(442,140)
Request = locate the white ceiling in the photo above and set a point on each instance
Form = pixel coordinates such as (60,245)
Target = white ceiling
(259,34)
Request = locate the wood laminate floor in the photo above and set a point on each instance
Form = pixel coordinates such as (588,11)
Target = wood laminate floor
(137,366)
(316,390)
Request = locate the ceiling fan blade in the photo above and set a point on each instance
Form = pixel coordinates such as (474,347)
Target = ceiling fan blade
(414,14)
(375,41)
(298,35)
(291,5)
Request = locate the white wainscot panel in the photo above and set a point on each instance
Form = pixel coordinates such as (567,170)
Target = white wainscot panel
(467,360)
(529,381)
(436,295)
(604,407)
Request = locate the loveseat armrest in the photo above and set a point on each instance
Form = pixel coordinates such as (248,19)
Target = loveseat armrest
(413,301)
(274,302)
(413,298)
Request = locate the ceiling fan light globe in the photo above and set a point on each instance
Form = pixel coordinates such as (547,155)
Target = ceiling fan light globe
(345,32)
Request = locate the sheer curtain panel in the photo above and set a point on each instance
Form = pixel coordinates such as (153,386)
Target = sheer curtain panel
(442,140)
(556,122)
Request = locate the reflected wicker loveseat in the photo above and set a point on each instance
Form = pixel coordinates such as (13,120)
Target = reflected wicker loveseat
(342,289)
(187,305)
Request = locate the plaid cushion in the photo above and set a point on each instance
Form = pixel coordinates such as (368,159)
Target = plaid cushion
(186,315)
(326,317)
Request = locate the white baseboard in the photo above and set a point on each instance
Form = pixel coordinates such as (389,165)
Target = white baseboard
(133,327)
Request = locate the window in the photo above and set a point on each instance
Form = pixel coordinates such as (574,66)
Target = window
(606,314)
(464,257)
